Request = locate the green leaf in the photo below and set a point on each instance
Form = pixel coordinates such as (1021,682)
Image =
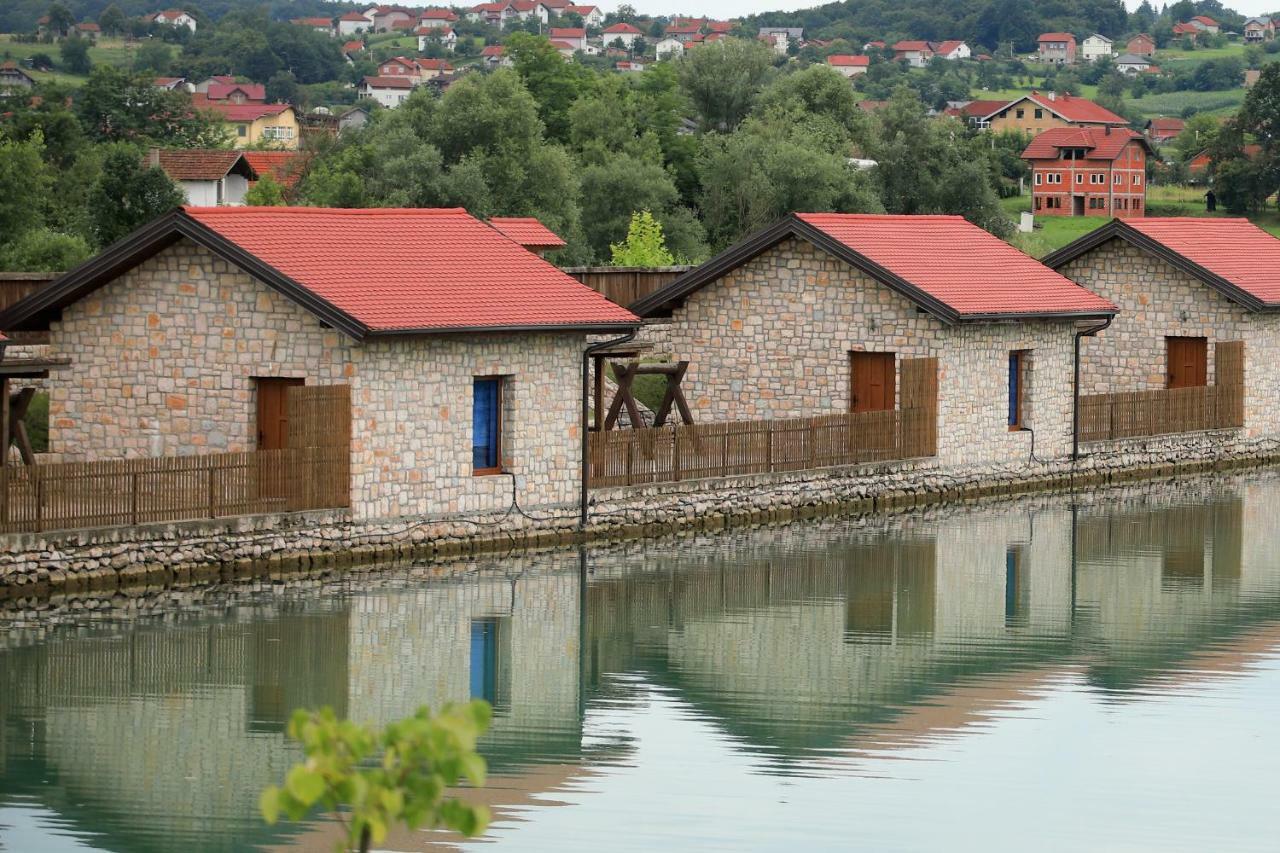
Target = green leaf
(269,803)
(304,784)
(473,767)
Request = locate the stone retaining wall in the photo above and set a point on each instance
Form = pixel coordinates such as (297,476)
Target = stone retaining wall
(35,566)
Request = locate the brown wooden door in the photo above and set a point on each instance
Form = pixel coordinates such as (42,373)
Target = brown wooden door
(273,412)
(872,381)
(1188,362)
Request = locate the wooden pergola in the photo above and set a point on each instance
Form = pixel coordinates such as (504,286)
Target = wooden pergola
(624,359)
(12,416)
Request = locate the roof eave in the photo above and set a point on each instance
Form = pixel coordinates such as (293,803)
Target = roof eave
(522,328)
(1020,316)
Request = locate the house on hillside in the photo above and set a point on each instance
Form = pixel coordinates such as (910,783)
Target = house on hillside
(88,30)
(284,167)
(235,93)
(668,48)
(173,84)
(13,80)
(388,18)
(1040,111)
(1199,164)
(953,49)
(320,25)
(1141,45)
(191,335)
(253,124)
(1259,29)
(353,119)
(1088,171)
(172,18)
(529,232)
(1205,24)
(591,16)
(353,23)
(1132,63)
(389,92)
(782,38)
(525,10)
(844,313)
(975,113)
(575,37)
(1162,129)
(915,53)
(683,33)
(1095,47)
(1199,313)
(437,18)
(621,32)
(443,36)
(208,177)
(1057,48)
(493,14)
(1187,31)
(848,64)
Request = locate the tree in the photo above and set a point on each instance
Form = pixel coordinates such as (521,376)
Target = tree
(1197,134)
(75,55)
(61,21)
(24,182)
(554,83)
(44,250)
(379,779)
(644,246)
(112,20)
(283,88)
(154,56)
(613,189)
(723,79)
(115,105)
(267,192)
(129,195)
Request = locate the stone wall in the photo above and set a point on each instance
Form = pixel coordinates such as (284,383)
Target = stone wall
(772,340)
(1157,301)
(164,361)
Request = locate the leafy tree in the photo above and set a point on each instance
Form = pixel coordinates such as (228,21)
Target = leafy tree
(1197,134)
(129,194)
(644,246)
(554,83)
(379,779)
(43,250)
(154,56)
(24,182)
(723,79)
(266,192)
(283,88)
(112,20)
(61,21)
(619,185)
(75,55)
(116,105)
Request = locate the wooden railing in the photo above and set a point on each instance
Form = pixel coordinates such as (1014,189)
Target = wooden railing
(172,488)
(1133,414)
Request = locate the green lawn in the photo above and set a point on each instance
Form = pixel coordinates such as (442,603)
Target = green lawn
(1173,103)
(1188,58)
(106,51)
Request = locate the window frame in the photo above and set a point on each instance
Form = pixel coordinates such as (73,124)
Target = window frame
(498,468)
(1016,377)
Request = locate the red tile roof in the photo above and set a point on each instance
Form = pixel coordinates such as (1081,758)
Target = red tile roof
(621,28)
(1100,144)
(412,270)
(246,112)
(353,47)
(222,91)
(355,16)
(981,109)
(960,265)
(389,82)
(493,50)
(312,22)
(682,29)
(1233,249)
(1070,108)
(948,46)
(1185,29)
(568,33)
(843,60)
(1067,37)
(1167,125)
(198,164)
(912,45)
(528,232)
(284,167)
(1206,20)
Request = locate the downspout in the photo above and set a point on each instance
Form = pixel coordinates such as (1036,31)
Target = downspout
(1075,402)
(582,426)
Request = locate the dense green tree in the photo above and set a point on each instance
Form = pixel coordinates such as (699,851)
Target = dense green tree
(128,194)
(154,57)
(75,55)
(61,21)
(723,79)
(619,185)
(112,20)
(24,182)
(44,250)
(283,88)
(265,192)
(116,105)
(554,83)
(1197,135)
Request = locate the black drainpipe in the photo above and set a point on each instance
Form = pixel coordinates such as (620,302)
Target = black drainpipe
(586,402)
(1075,403)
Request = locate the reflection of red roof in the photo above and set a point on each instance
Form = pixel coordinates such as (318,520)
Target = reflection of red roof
(285,167)
(528,232)
(1100,144)
(957,263)
(845,60)
(412,270)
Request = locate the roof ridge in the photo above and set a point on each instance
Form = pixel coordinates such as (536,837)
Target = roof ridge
(346,211)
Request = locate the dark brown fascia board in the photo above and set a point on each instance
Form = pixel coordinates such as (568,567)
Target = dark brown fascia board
(1118,229)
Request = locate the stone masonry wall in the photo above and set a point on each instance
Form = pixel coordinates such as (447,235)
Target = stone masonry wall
(772,340)
(164,360)
(1156,301)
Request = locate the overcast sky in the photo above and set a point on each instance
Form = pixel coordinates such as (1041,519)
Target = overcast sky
(730,8)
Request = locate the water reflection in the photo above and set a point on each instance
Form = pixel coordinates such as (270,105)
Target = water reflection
(805,653)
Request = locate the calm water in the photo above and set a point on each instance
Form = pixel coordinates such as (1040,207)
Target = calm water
(1096,674)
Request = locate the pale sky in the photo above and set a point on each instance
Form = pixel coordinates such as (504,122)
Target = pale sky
(733,8)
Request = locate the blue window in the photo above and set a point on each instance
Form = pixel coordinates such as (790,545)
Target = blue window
(484,659)
(486,441)
(1017,371)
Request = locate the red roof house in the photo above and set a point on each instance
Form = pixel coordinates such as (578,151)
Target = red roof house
(1057,48)
(1162,129)
(848,64)
(1088,171)
(528,232)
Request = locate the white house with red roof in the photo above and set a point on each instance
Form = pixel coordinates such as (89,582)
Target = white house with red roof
(444,36)
(437,18)
(207,176)
(172,18)
(574,37)
(1089,171)
(1057,48)
(353,23)
(1205,24)
(1199,326)
(668,48)
(621,32)
(952,49)
(913,52)
(460,349)
(592,16)
(387,91)
(825,314)
(848,64)
(495,56)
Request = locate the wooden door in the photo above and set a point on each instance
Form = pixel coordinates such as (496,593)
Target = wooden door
(1077,205)
(872,379)
(273,412)
(1188,362)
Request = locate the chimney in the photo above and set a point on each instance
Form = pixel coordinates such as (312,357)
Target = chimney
(1053,96)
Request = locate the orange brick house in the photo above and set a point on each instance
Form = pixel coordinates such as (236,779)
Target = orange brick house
(1089,171)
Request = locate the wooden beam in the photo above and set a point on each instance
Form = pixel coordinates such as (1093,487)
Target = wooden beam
(624,375)
(6,420)
(18,405)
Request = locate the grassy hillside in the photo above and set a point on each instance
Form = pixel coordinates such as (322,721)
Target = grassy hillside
(106,51)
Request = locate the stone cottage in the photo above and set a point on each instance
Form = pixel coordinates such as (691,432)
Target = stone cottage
(816,314)
(1184,286)
(461,348)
